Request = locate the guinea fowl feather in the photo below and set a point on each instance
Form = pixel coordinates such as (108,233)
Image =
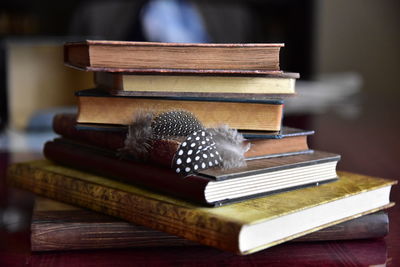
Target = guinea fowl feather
(230,146)
(140,133)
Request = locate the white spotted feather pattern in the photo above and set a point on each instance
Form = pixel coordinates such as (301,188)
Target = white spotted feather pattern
(175,123)
(197,152)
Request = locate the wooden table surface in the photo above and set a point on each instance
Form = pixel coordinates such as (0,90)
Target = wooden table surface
(369,144)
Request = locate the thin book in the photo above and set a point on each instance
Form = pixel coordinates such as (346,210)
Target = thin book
(158,57)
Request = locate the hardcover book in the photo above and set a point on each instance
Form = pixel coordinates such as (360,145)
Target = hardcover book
(227,86)
(213,186)
(244,227)
(59,226)
(150,57)
(96,106)
(288,141)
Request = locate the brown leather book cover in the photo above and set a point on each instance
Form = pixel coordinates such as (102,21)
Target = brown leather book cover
(156,57)
(59,226)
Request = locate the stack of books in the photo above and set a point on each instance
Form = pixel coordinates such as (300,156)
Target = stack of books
(147,146)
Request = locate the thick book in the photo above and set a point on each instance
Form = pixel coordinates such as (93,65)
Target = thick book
(213,186)
(59,226)
(288,141)
(96,106)
(244,227)
(248,87)
(150,57)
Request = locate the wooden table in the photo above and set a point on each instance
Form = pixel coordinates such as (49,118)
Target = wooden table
(369,144)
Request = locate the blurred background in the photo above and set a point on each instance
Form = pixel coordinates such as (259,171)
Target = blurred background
(346,52)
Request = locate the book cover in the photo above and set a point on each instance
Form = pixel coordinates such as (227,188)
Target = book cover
(59,226)
(154,57)
(243,228)
(221,86)
(289,141)
(96,106)
(212,186)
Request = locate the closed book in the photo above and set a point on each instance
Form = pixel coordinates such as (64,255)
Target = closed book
(96,106)
(213,186)
(150,57)
(59,226)
(288,141)
(244,227)
(225,86)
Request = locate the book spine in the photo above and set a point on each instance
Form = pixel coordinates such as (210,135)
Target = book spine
(152,176)
(70,230)
(207,229)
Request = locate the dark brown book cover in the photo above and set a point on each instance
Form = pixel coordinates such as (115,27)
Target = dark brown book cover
(58,226)
(155,57)
(195,187)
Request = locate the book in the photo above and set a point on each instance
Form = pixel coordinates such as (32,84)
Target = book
(244,227)
(96,106)
(223,86)
(288,141)
(59,226)
(150,57)
(212,186)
